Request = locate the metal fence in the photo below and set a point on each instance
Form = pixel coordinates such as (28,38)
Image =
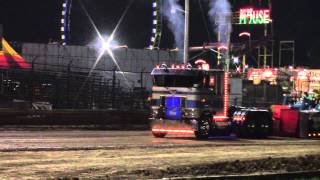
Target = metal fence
(65,76)
(71,89)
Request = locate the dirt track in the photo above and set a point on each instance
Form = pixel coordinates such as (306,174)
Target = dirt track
(93,154)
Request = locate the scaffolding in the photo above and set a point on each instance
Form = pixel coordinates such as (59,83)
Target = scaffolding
(287,46)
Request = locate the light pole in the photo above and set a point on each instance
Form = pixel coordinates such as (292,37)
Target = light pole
(244,56)
(248,35)
(186,33)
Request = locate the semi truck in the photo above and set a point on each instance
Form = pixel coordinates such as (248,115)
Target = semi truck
(195,100)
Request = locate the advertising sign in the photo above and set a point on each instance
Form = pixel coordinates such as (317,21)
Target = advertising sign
(307,80)
(254,16)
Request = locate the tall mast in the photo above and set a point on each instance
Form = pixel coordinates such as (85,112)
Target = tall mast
(1,34)
(186,33)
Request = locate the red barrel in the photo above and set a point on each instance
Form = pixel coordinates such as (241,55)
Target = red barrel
(305,118)
(276,127)
(276,110)
(289,119)
(276,116)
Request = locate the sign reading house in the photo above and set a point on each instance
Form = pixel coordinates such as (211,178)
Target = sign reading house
(254,16)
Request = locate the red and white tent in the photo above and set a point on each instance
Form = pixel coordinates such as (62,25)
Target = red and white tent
(9,58)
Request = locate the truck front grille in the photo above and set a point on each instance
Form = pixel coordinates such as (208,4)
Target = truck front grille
(173,107)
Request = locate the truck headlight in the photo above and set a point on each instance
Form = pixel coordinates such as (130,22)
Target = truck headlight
(190,113)
(155,113)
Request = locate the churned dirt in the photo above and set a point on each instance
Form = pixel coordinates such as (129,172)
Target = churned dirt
(137,155)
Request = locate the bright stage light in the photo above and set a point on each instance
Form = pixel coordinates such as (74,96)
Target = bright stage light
(236,60)
(105,44)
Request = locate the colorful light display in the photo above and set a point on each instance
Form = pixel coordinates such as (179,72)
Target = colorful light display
(307,80)
(257,75)
(254,16)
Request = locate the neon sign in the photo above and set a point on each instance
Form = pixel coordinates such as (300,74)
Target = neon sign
(254,16)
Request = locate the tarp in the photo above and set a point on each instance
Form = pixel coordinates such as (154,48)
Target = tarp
(9,58)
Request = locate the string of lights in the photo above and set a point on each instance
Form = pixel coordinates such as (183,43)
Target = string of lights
(65,21)
(156,24)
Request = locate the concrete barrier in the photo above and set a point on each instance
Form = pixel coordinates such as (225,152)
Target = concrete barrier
(91,118)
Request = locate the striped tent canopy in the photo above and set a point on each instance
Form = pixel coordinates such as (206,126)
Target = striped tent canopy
(9,58)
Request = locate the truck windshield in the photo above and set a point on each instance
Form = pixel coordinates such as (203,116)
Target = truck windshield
(176,80)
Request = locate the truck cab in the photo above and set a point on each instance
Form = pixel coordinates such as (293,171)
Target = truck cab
(188,100)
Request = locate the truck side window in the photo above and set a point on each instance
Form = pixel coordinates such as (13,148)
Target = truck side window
(205,81)
(162,101)
(219,84)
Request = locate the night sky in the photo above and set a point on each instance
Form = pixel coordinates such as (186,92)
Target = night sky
(39,21)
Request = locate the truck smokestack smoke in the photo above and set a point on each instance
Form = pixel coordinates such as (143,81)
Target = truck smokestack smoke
(174,14)
(220,16)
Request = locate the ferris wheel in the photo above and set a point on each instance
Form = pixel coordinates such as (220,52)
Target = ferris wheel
(156,24)
(65,21)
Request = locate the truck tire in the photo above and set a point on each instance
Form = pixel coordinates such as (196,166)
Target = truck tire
(204,128)
(262,133)
(159,135)
(241,132)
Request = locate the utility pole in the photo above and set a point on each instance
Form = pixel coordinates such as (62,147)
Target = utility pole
(68,84)
(1,34)
(186,32)
(265,46)
(113,90)
(272,57)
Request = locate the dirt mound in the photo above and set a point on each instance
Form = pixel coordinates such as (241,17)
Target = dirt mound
(237,167)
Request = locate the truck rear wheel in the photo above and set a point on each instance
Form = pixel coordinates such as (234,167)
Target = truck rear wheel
(204,128)
(262,132)
(241,132)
